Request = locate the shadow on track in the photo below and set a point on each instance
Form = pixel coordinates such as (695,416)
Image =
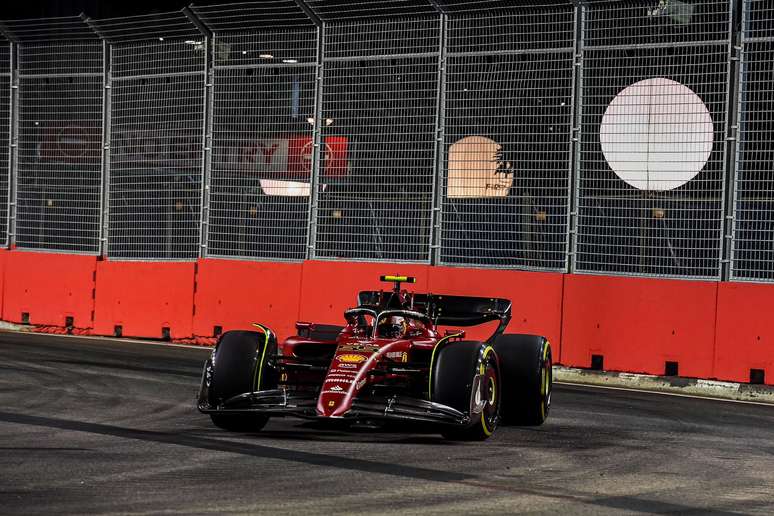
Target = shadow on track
(366,466)
(266,452)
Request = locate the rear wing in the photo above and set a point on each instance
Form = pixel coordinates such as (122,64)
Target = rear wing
(447,310)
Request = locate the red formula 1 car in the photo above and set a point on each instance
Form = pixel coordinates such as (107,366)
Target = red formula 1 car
(388,363)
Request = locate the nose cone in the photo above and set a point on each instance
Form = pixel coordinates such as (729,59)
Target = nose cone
(344,379)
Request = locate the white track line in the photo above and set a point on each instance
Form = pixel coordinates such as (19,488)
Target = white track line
(111,339)
(585,385)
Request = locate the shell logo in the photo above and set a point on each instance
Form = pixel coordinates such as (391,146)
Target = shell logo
(351,358)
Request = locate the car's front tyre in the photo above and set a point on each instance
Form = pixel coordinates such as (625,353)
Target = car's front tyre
(466,376)
(239,366)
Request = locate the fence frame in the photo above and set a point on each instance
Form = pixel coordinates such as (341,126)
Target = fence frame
(207,128)
(575,136)
(436,220)
(104,141)
(13,142)
(314,179)
(731,151)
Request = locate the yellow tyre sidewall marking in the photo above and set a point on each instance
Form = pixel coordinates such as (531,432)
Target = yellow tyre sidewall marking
(259,366)
(544,381)
(482,370)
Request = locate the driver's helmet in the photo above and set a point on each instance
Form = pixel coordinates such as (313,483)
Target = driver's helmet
(392,326)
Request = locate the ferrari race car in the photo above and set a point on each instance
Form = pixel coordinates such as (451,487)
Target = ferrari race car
(389,362)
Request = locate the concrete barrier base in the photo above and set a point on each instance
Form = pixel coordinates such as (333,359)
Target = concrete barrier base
(666,384)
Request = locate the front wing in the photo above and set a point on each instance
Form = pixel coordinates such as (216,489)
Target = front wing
(283,402)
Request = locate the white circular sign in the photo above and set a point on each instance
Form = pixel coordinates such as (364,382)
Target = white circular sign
(656,134)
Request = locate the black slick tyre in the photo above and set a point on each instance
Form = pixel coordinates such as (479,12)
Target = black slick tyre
(465,375)
(526,378)
(239,368)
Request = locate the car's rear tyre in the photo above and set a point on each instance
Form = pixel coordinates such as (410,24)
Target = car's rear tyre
(240,367)
(453,383)
(527,378)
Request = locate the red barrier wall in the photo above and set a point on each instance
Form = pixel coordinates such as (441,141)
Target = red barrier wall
(3,259)
(536,298)
(711,329)
(144,297)
(49,287)
(329,288)
(638,324)
(745,331)
(234,294)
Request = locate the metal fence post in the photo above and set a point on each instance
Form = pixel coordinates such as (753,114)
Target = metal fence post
(440,137)
(317,141)
(13,155)
(209,89)
(735,69)
(318,153)
(105,143)
(575,137)
(208,128)
(106,128)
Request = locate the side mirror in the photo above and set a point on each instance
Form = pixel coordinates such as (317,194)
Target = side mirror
(304,329)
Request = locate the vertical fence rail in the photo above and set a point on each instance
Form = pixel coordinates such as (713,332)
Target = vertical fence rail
(8,126)
(209,124)
(208,148)
(318,149)
(105,149)
(440,148)
(206,141)
(733,201)
(575,137)
(318,152)
(728,194)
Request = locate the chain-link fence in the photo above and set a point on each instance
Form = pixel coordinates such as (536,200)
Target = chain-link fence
(753,241)
(378,125)
(6,143)
(156,120)
(653,125)
(508,118)
(59,173)
(597,136)
(263,116)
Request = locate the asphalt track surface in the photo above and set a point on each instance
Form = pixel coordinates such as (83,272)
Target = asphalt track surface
(102,426)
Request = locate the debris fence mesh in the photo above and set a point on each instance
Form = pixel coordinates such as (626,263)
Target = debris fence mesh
(631,137)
